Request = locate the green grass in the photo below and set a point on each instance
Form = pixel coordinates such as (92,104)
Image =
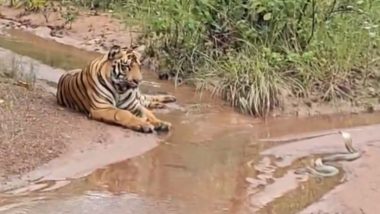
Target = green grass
(257,53)
(254,53)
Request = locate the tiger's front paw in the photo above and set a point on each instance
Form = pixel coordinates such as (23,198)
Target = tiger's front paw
(143,127)
(147,128)
(163,126)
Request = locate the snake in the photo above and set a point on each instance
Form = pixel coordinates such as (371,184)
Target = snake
(322,169)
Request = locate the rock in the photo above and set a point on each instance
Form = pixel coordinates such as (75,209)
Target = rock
(370,108)
(372,92)
(308,103)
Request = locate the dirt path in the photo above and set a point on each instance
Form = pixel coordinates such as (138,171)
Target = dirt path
(35,131)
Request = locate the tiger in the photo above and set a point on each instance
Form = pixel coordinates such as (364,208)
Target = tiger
(106,90)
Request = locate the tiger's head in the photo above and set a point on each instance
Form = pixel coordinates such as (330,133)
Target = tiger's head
(126,67)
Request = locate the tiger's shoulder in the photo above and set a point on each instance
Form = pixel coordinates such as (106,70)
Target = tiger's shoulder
(74,71)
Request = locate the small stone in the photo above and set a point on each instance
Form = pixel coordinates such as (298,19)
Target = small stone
(370,108)
(1,101)
(314,99)
(308,103)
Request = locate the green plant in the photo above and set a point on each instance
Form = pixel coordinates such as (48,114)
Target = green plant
(251,52)
(47,10)
(29,5)
(94,4)
(35,5)
(69,14)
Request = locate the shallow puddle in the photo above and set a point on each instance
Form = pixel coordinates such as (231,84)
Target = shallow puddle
(46,51)
(201,168)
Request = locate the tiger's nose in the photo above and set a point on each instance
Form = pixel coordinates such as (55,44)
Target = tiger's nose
(136,81)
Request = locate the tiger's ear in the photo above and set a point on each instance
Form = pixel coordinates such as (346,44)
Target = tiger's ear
(139,52)
(114,52)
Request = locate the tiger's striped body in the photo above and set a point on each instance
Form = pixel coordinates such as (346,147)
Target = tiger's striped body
(107,90)
(148,101)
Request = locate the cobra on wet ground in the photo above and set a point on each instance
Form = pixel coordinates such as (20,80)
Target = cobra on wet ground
(323,167)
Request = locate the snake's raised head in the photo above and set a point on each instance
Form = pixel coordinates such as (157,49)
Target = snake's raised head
(347,141)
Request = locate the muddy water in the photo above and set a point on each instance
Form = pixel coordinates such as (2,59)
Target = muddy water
(201,168)
(64,56)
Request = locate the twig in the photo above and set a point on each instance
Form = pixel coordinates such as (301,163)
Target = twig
(331,11)
(312,24)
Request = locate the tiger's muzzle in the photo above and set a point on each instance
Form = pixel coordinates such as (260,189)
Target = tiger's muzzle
(123,86)
(132,83)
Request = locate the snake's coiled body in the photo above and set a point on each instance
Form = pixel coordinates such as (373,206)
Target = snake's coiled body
(321,168)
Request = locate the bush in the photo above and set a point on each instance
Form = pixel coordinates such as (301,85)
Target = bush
(252,52)
(29,5)
(101,4)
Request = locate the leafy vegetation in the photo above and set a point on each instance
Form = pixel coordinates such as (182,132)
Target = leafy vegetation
(253,52)
(258,53)
(101,4)
(29,5)
(68,12)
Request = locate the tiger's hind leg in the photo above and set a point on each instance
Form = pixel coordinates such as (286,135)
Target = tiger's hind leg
(158,101)
(123,118)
